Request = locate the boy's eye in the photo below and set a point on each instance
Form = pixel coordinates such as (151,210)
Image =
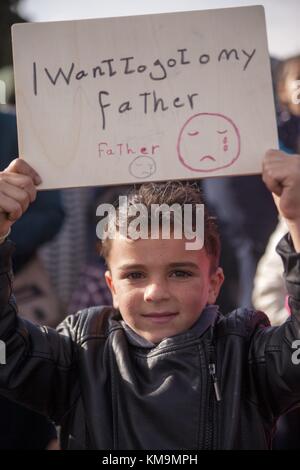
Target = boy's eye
(134,275)
(179,273)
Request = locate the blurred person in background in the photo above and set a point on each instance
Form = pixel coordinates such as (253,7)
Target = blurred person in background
(288,91)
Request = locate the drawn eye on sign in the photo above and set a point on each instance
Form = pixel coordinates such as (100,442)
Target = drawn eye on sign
(208,142)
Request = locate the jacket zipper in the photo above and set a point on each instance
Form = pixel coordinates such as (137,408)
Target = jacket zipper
(214,394)
(214,379)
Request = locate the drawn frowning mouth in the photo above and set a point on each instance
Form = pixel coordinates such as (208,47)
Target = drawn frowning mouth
(209,157)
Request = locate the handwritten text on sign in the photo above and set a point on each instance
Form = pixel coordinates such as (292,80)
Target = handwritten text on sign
(171,96)
(158,70)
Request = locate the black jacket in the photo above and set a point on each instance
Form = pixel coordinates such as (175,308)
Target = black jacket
(108,394)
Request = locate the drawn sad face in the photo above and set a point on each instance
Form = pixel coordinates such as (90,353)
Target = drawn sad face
(208,142)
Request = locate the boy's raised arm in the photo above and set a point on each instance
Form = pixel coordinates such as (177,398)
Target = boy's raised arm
(38,365)
(272,356)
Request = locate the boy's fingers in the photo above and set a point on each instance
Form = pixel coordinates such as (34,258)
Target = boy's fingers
(281,174)
(282,167)
(270,174)
(272,184)
(23,182)
(17,190)
(276,170)
(22,196)
(273,153)
(21,167)
(11,207)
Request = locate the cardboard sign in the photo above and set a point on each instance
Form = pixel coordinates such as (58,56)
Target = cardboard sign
(144,98)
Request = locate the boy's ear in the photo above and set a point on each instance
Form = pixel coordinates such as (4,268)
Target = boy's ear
(111,286)
(216,281)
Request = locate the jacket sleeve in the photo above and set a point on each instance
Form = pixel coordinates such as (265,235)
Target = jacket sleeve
(39,365)
(274,368)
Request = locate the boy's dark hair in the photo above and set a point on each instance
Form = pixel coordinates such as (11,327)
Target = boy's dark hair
(172,192)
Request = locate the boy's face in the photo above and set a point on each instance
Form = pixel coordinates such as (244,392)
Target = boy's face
(160,287)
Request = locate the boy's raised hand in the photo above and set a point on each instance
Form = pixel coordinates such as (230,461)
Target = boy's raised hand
(17,190)
(281,174)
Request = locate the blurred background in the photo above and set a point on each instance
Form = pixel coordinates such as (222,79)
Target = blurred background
(282,15)
(282,18)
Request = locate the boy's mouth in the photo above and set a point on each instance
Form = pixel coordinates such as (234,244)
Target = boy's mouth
(160,317)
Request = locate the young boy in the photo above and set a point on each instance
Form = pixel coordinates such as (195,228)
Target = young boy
(164,369)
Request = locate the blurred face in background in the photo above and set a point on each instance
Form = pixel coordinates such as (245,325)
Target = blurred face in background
(289,86)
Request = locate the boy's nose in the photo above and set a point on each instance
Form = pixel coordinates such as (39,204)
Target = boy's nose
(156,292)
